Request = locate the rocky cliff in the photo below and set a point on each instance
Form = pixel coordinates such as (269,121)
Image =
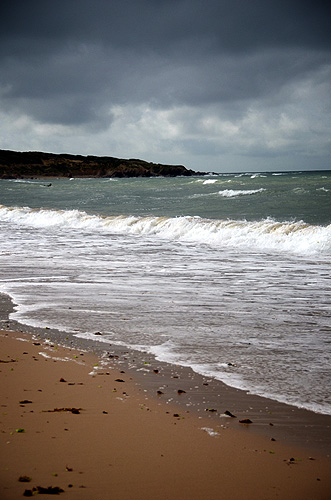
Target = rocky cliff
(32,164)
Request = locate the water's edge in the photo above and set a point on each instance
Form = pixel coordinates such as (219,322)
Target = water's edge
(276,420)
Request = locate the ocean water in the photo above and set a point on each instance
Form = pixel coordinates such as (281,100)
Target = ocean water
(227,274)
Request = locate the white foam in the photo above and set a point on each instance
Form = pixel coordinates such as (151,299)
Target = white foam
(210,181)
(231,193)
(265,235)
(210,431)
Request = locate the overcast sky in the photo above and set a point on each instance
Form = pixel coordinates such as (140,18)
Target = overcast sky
(222,85)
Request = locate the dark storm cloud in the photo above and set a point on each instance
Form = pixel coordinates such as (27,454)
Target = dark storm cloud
(53,47)
(230,25)
(70,62)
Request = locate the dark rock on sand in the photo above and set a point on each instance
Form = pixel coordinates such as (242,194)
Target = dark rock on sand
(229,414)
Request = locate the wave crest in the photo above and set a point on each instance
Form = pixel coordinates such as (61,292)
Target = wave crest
(264,235)
(230,193)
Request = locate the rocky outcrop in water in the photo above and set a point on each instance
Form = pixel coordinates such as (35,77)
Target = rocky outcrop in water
(34,164)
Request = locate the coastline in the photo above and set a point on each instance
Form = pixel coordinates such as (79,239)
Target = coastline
(297,426)
(126,442)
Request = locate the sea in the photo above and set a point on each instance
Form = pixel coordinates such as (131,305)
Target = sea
(228,274)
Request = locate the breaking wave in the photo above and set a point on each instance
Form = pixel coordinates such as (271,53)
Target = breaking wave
(230,193)
(264,235)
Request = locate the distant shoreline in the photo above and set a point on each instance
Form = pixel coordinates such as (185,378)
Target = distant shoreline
(35,164)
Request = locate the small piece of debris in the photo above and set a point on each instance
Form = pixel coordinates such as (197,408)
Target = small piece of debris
(245,421)
(229,414)
(51,490)
(212,410)
(72,410)
(159,393)
(25,402)
(119,380)
(180,391)
(62,379)
(24,479)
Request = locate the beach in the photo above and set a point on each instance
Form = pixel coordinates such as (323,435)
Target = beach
(72,422)
(166,338)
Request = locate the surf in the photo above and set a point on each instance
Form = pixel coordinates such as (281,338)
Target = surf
(295,237)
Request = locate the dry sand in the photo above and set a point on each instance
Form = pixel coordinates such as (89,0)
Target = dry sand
(123,444)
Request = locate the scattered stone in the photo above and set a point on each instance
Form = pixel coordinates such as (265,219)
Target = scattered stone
(245,421)
(159,393)
(119,380)
(24,479)
(62,379)
(25,402)
(72,410)
(51,490)
(156,371)
(97,333)
(229,414)
(180,391)
(69,469)
(212,410)
(176,415)
(36,343)
(105,412)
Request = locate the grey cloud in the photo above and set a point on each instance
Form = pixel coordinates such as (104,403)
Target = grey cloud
(232,25)
(69,63)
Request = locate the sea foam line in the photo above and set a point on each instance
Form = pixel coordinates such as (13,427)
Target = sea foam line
(267,234)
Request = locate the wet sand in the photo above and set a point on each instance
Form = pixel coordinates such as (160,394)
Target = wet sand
(93,428)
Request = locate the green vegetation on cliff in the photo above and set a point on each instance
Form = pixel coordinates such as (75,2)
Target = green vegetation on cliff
(30,164)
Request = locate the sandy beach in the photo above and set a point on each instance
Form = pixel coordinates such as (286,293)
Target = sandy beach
(71,422)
